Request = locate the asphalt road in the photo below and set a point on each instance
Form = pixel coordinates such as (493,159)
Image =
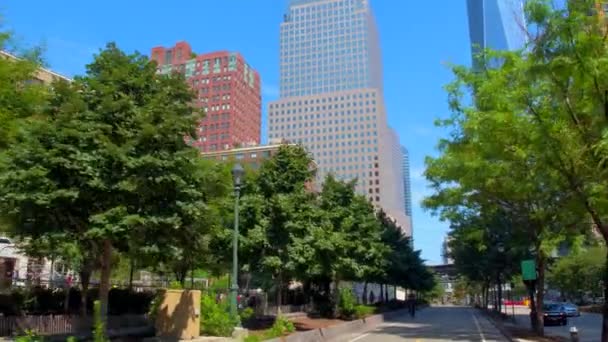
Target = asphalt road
(589,325)
(447,323)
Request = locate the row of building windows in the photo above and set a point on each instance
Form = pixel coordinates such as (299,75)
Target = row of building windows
(332,161)
(340,68)
(327,85)
(325,129)
(225,106)
(323,108)
(214,137)
(321,114)
(332,65)
(318,139)
(213,127)
(215,98)
(292,90)
(319,147)
(323,100)
(195,82)
(326,137)
(318,42)
(348,117)
(337,152)
(215,89)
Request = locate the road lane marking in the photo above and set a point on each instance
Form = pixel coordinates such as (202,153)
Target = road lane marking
(359,337)
(483,338)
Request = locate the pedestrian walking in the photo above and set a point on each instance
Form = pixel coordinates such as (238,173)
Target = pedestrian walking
(412,305)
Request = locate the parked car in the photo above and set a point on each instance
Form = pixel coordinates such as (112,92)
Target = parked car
(571,310)
(555,314)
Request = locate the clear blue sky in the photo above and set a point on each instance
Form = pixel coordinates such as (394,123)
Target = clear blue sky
(418,38)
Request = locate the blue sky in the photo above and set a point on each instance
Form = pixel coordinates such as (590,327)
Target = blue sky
(418,38)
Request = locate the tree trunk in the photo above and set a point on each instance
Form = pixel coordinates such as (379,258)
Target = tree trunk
(85,278)
(104,283)
(66,302)
(540,294)
(364,299)
(381,292)
(279,294)
(605,307)
(51,278)
(499,293)
(131,271)
(192,278)
(486,295)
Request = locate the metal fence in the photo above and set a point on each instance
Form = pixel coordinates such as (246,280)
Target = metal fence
(64,324)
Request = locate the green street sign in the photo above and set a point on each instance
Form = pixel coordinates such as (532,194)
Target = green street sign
(528,269)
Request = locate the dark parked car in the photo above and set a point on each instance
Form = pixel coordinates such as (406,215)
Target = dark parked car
(555,314)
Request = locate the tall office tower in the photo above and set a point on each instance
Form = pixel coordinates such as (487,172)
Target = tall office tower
(228,90)
(496,24)
(407,184)
(331,98)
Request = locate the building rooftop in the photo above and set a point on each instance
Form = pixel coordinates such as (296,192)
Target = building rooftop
(48,72)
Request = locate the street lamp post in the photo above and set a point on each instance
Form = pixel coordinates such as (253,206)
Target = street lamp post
(501,249)
(237,174)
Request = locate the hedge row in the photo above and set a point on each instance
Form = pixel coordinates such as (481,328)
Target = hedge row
(41,301)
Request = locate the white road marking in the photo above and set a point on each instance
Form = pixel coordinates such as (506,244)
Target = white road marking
(360,337)
(483,338)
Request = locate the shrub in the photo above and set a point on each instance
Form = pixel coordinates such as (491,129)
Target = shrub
(155,304)
(215,318)
(29,336)
(41,301)
(253,338)
(175,285)
(346,303)
(362,311)
(281,327)
(98,326)
(246,314)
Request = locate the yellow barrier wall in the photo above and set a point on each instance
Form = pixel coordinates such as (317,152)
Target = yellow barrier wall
(179,315)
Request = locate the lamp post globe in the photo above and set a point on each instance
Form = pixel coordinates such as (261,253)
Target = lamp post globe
(237,174)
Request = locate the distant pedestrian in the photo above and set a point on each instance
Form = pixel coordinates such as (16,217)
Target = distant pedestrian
(411,305)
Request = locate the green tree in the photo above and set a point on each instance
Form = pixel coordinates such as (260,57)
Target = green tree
(19,97)
(194,247)
(354,249)
(277,216)
(108,163)
(556,91)
(403,265)
(579,274)
(496,164)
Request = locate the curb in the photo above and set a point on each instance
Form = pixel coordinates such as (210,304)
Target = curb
(507,334)
(341,331)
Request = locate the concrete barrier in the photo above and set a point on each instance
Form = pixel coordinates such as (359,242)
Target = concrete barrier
(341,332)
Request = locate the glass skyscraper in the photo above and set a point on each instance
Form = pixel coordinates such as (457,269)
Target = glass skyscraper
(331,98)
(407,183)
(496,24)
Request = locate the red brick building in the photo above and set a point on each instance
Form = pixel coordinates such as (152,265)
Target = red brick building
(228,90)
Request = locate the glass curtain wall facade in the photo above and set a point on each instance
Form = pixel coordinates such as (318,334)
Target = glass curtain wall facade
(407,183)
(331,97)
(496,24)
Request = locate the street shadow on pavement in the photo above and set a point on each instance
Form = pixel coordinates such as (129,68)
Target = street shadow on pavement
(443,323)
